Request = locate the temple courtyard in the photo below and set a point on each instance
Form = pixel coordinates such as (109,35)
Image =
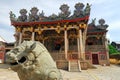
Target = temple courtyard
(111,72)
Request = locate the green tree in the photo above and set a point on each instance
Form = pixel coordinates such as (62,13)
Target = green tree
(112,50)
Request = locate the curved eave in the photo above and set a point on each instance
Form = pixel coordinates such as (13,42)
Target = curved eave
(49,22)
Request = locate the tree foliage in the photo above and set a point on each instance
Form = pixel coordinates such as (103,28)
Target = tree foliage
(112,50)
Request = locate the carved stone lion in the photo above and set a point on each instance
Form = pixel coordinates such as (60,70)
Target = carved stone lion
(32,61)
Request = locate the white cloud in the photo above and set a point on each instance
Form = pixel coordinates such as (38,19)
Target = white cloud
(115,25)
(114,31)
(7,35)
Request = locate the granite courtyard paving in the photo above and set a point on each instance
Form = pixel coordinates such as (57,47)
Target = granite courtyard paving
(111,72)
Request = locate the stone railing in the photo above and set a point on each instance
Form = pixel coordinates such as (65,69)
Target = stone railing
(72,56)
(58,56)
(61,56)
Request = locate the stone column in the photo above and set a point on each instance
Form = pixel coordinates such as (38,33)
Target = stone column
(33,36)
(20,38)
(107,49)
(78,43)
(65,43)
(81,44)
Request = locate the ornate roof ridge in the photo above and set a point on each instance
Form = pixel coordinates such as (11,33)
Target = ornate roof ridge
(34,16)
(100,26)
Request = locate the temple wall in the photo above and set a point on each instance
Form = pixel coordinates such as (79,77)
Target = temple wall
(98,53)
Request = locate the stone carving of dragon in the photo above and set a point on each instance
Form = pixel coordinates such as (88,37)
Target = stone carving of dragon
(32,61)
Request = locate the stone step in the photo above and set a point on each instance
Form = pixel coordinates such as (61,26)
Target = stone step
(74,65)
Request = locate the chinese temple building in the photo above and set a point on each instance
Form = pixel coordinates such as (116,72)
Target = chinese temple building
(96,50)
(64,35)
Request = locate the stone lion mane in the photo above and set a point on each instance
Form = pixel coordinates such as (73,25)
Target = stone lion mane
(32,61)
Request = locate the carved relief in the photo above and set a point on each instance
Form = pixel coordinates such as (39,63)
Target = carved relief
(64,11)
(102,24)
(23,16)
(78,12)
(87,9)
(53,17)
(33,15)
(12,16)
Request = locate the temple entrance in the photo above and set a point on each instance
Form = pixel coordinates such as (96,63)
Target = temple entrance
(54,45)
(95,59)
(53,41)
(72,44)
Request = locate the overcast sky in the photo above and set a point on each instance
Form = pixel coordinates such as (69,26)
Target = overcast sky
(106,9)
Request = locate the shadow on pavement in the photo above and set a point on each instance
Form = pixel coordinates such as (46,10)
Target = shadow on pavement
(117,65)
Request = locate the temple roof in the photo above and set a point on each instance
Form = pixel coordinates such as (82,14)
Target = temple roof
(83,19)
(80,13)
(100,28)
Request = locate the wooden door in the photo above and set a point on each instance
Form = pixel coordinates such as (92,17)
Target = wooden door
(95,59)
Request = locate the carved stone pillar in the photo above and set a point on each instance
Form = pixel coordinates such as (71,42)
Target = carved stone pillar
(65,43)
(107,49)
(81,44)
(20,38)
(33,36)
(78,44)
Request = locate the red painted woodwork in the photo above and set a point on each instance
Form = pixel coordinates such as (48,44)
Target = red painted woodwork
(48,22)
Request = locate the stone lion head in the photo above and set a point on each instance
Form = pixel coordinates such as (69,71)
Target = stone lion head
(21,55)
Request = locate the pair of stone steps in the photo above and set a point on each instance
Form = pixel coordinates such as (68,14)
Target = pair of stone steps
(74,65)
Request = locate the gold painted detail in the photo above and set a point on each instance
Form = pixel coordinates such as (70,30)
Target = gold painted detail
(58,29)
(18,29)
(65,27)
(39,30)
(28,29)
(52,27)
(82,25)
